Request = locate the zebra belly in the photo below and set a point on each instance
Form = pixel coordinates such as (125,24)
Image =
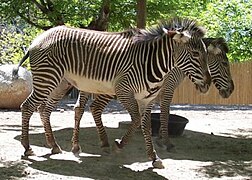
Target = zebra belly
(90,85)
(145,97)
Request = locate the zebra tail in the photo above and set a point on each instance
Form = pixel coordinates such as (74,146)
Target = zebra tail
(15,70)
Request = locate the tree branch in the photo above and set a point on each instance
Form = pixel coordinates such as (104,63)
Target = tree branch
(47,8)
(40,6)
(32,23)
(101,22)
(50,5)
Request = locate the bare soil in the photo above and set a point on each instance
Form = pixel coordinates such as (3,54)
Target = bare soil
(216,144)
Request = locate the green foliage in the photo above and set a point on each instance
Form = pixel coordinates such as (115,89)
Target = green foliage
(44,15)
(123,15)
(231,19)
(14,43)
(78,13)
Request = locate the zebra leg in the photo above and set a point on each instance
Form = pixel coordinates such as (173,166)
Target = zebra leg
(171,83)
(27,109)
(46,109)
(129,102)
(96,109)
(78,113)
(146,130)
(164,140)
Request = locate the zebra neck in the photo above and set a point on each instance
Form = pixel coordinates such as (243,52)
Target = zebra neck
(159,59)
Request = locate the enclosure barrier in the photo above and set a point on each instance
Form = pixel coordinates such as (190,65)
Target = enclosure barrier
(242,77)
(242,95)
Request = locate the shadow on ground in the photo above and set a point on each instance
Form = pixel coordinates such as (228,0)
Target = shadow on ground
(12,170)
(228,156)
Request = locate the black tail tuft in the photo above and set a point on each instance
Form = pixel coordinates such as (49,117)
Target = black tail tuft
(15,70)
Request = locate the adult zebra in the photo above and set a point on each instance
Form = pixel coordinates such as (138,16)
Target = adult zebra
(139,63)
(219,68)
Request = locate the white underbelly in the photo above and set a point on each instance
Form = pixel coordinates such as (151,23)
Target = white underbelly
(90,85)
(145,97)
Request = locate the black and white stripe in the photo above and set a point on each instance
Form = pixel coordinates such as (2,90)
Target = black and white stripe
(140,61)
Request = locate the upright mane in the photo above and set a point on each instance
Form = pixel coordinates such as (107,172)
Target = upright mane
(130,32)
(217,42)
(174,24)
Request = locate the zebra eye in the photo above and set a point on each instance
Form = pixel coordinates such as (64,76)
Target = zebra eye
(195,53)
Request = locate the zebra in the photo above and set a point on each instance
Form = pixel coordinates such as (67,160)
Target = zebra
(138,63)
(219,68)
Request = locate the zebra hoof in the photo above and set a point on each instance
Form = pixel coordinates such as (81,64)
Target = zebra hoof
(76,149)
(119,143)
(157,163)
(118,146)
(29,152)
(56,150)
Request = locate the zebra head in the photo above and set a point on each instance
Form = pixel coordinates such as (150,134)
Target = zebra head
(218,64)
(189,52)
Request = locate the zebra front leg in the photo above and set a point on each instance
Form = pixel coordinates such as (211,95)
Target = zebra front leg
(165,102)
(120,143)
(78,113)
(129,102)
(164,140)
(97,108)
(146,130)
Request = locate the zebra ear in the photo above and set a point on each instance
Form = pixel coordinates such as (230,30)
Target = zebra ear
(170,33)
(182,37)
(213,49)
(178,36)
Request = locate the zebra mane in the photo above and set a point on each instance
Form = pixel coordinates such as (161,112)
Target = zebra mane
(130,32)
(174,24)
(217,42)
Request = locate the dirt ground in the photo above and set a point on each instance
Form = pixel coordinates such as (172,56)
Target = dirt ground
(216,144)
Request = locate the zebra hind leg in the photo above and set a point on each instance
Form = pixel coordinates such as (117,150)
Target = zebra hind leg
(78,113)
(96,109)
(45,111)
(27,111)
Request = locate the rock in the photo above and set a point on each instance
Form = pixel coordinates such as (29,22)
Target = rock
(13,91)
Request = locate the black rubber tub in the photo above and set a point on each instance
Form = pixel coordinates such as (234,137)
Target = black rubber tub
(176,124)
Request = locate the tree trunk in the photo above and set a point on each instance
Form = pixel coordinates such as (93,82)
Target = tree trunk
(141,13)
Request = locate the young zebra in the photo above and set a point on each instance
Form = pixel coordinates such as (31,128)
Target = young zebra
(132,67)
